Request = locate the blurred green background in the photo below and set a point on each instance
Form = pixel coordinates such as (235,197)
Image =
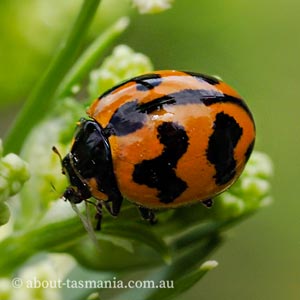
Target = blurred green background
(254,46)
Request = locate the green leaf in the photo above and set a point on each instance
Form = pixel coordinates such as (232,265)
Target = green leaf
(189,258)
(189,236)
(183,283)
(184,270)
(140,233)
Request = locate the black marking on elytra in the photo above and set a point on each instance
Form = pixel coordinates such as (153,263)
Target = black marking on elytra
(249,150)
(156,104)
(189,96)
(153,78)
(186,96)
(202,77)
(147,81)
(229,99)
(182,97)
(107,92)
(159,173)
(131,116)
(126,119)
(221,145)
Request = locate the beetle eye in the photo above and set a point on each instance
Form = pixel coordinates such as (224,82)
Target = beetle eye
(68,192)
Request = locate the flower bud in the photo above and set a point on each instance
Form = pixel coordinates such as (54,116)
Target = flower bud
(4,213)
(152,6)
(14,172)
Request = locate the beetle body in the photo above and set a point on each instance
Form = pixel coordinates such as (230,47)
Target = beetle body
(161,140)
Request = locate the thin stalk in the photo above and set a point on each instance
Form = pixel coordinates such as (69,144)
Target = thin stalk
(42,97)
(90,56)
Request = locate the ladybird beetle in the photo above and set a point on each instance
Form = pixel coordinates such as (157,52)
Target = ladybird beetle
(161,140)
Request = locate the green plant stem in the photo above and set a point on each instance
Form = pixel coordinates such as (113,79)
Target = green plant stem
(42,98)
(91,55)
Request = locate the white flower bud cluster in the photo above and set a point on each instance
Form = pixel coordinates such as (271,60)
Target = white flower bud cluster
(14,173)
(152,6)
(250,192)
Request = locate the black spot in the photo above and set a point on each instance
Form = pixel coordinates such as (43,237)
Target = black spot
(159,172)
(147,81)
(202,77)
(126,119)
(221,145)
(249,150)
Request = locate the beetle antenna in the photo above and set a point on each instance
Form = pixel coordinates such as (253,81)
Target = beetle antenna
(55,150)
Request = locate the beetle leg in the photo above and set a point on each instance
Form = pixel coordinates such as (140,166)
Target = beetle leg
(115,206)
(208,203)
(147,214)
(113,209)
(98,216)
